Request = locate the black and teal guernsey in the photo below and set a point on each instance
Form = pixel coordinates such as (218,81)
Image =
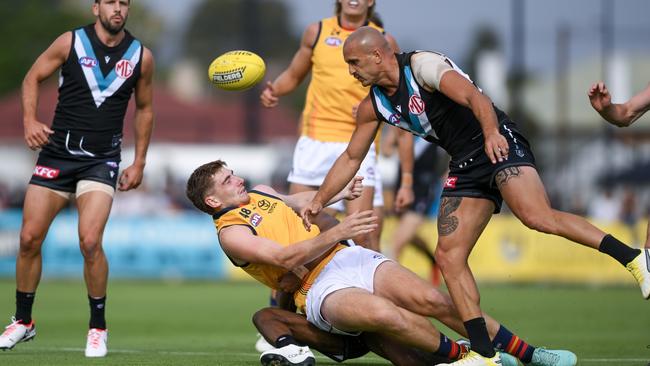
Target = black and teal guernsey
(431,115)
(95,85)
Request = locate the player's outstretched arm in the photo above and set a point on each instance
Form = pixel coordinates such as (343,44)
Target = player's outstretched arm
(621,115)
(348,162)
(132,176)
(242,245)
(36,132)
(298,69)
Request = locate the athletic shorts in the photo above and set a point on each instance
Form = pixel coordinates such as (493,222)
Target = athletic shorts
(350,267)
(473,175)
(62,174)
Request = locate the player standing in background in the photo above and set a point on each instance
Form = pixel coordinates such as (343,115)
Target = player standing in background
(427,94)
(101,65)
(332,98)
(427,186)
(621,115)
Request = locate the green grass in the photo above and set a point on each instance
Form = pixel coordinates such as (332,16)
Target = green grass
(208,323)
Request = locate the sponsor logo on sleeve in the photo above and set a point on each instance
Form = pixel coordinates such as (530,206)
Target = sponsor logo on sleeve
(450,182)
(45,172)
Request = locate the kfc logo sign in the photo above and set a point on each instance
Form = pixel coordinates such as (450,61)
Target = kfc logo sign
(45,172)
(124,69)
(416,105)
(450,182)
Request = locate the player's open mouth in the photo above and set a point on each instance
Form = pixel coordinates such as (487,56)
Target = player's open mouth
(353,3)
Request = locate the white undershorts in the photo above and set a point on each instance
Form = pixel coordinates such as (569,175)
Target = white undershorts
(350,267)
(313,159)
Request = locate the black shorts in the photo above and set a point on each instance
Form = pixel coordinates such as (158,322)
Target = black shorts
(354,347)
(62,174)
(473,175)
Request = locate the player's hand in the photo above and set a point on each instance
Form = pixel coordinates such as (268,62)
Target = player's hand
(37,134)
(404,198)
(309,212)
(496,147)
(268,97)
(130,178)
(357,224)
(599,97)
(354,189)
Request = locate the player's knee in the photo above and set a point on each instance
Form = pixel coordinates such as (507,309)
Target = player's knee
(446,258)
(436,303)
(263,316)
(30,242)
(386,318)
(542,222)
(90,245)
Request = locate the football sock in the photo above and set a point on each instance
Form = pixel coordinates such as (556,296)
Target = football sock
(284,340)
(97,307)
(510,343)
(24,302)
(617,250)
(479,337)
(450,349)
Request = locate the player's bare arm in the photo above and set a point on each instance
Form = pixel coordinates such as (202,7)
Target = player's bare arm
(243,246)
(299,200)
(348,163)
(36,132)
(461,91)
(621,115)
(298,69)
(132,176)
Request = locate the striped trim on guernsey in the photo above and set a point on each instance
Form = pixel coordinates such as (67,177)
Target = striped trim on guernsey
(103,87)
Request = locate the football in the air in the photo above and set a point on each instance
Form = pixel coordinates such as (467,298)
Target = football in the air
(236,70)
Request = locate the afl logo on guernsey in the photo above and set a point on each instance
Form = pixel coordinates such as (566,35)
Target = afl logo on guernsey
(394,118)
(416,105)
(333,41)
(124,69)
(87,61)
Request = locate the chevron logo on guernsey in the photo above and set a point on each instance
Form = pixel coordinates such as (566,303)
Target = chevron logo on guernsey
(104,87)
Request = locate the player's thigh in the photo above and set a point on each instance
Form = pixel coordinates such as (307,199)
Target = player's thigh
(407,290)
(522,189)
(362,203)
(41,205)
(354,309)
(94,207)
(461,220)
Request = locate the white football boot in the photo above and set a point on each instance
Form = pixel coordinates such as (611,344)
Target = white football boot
(97,343)
(290,355)
(15,333)
(262,345)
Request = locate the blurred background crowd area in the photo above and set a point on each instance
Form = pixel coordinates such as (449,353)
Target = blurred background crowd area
(535,59)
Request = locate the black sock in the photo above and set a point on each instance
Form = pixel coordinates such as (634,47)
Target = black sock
(479,337)
(24,302)
(617,250)
(97,307)
(284,340)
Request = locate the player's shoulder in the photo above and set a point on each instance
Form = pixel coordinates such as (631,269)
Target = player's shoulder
(311,33)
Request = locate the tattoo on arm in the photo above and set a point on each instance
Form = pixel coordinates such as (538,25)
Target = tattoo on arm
(506,174)
(447,223)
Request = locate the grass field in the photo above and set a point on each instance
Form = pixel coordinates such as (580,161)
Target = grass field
(204,323)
